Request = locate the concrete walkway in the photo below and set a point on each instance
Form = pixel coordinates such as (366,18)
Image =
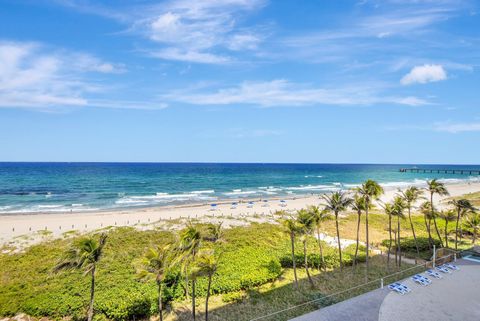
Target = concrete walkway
(454,297)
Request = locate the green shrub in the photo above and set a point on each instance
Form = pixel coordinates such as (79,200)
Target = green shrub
(233,297)
(408,244)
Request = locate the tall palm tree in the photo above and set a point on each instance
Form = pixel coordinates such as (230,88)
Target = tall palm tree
(427,217)
(399,206)
(206,265)
(436,187)
(462,207)
(411,195)
(155,265)
(305,227)
(473,222)
(319,216)
(292,228)
(189,244)
(85,255)
(359,205)
(371,190)
(389,209)
(448,216)
(337,202)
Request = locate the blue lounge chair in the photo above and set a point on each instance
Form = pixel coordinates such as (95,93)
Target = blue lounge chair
(451,266)
(396,289)
(402,287)
(434,274)
(443,269)
(420,279)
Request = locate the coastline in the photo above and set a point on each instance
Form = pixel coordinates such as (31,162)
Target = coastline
(29,226)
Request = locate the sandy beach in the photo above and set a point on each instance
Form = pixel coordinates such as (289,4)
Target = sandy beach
(30,227)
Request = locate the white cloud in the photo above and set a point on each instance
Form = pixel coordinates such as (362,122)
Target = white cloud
(189,56)
(33,75)
(195,31)
(424,74)
(281,92)
(457,127)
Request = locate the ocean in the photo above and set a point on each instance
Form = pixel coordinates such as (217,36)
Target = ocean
(81,187)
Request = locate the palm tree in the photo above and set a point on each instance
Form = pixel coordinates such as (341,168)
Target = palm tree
(436,187)
(427,217)
(319,216)
(305,226)
(371,190)
(155,265)
(473,222)
(84,254)
(399,206)
(216,231)
(389,209)
(358,205)
(337,202)
(448,216)
(291,227)
(206,265)
(462,207)
(190,240)
(411,196)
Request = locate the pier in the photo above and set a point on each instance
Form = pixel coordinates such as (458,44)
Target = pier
(441,171)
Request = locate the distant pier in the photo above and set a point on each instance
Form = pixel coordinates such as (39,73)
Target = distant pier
(441,171)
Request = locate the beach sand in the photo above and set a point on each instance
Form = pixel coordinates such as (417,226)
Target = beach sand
(31,228)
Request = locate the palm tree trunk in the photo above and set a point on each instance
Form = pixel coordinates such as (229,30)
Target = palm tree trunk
(396,248)
(322,260)
(367,204)
(186,281)
(338,241)
(193,299)
(92,296)
(358,236)
(160,306)
(390,238)
(446,233)
(456,229)
(294,263)
(306,262)
(398,243)
(413,232)
(435,220)
(427,227)
(208,295)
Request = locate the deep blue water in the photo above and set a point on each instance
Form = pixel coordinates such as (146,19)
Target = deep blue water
(59,187)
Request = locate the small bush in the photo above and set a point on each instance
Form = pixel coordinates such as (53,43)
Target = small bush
(408,244)
(233,297)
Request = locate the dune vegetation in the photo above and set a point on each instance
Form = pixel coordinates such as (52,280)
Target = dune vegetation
(235,273)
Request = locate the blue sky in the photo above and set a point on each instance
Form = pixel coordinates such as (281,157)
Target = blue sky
(391,81)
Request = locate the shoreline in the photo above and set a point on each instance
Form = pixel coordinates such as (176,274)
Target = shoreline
(15,227)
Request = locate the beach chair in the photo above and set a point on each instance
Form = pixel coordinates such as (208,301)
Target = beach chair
(421,280)
(283,203)
(397,289)
(433,274)
(250,205)
(234,206)
(443,269)
(402,287)
(451,266)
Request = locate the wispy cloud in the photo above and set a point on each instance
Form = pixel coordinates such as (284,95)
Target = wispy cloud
(424,74)
(33,75)
(457,127)
(281,92)
(198,31)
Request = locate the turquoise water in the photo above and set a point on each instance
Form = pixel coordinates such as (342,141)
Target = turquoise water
(77,187)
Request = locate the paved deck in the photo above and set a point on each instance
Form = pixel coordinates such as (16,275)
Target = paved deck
(455,297)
